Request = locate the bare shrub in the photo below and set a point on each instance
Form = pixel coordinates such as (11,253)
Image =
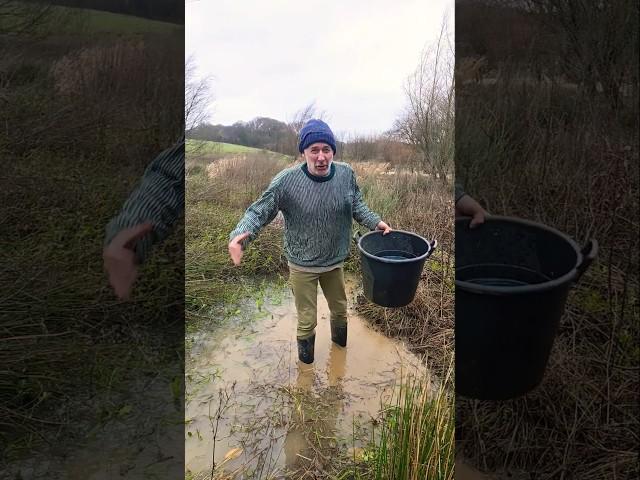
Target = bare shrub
(603,56)
(428,122)
(239,180)
(298,119)
(359,148)
(120,86)
(197,96)
(414,202)
(563,156)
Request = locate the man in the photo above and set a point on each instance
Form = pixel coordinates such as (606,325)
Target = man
(318,200)
(146,218)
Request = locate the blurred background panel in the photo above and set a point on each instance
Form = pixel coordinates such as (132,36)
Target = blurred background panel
(546,130)
(91,92)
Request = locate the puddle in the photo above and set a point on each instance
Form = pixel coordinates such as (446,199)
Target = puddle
(140,440)
(272,414)
(464,471)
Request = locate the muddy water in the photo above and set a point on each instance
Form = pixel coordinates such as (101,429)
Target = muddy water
(464,471)
(275,413)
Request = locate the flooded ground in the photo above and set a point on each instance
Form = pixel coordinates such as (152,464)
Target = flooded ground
(255,410)
(117,435)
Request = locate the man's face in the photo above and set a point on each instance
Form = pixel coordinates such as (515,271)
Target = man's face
(318,156)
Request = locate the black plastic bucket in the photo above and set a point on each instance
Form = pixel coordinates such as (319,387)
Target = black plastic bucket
(391,265)
(512,281)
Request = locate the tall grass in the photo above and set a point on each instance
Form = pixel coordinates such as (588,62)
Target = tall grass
(416,436)
(218,190)
(418,203)
(564,158)
(74,158)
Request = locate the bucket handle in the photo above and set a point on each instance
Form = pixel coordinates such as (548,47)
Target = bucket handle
(589,253)
(432,246)
(357,236)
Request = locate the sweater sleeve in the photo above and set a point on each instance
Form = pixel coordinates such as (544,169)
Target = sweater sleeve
(459,192)
(159,199)
(260,213)
(361,212)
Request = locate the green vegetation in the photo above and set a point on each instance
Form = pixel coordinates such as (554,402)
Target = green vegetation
(106,22)
(205,147)
(210,149)
(415,439)
(220,186)
(68,352)
(213,208)
(53,19)
(551,138)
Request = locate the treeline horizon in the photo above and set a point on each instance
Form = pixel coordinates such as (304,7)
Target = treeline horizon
(271,134)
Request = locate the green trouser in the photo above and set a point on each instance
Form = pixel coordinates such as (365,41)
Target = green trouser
(305,293)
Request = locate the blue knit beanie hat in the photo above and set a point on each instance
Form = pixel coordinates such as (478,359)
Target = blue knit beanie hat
(316,131)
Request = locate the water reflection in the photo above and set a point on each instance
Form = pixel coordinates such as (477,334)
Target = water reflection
(315,411)
(295,415)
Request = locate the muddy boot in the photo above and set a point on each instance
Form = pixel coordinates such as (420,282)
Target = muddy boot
(339,335)
(305,349)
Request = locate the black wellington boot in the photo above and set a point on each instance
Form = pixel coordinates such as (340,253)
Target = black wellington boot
(305,349)
(339,335)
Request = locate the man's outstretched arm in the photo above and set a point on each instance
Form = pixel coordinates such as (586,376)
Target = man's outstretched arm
(145,219)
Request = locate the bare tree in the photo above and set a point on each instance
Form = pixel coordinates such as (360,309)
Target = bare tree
(197,96)
(428,121)
(296,123)
(600,42)
(359,148)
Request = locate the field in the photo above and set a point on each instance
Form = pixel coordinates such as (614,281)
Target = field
(203,147)
(74,356)
(107,22)
(221,186)
(543,133)
(76,21)
(563,158)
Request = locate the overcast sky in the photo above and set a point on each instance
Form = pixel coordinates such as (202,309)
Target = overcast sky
(271,58)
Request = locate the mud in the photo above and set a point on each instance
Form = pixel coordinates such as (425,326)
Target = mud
(271,413)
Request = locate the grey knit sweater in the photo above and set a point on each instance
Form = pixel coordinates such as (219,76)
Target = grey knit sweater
(159,198)
(317,211)
(459,192)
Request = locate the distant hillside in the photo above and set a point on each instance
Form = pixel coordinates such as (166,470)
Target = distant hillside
(261,132)
(220,149)
(102,22)
(268,134)
(204,146)
(60,20)
(165,10)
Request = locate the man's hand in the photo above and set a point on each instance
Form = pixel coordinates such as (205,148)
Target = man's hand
(120,259)
(235,247)
(467,206)
(383,226)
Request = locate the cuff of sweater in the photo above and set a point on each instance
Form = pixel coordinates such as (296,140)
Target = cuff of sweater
(372,221)
(142,246)
(458,197)
(240,229)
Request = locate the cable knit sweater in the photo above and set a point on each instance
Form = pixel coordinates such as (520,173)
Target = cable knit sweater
(159,198)
(317,211)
